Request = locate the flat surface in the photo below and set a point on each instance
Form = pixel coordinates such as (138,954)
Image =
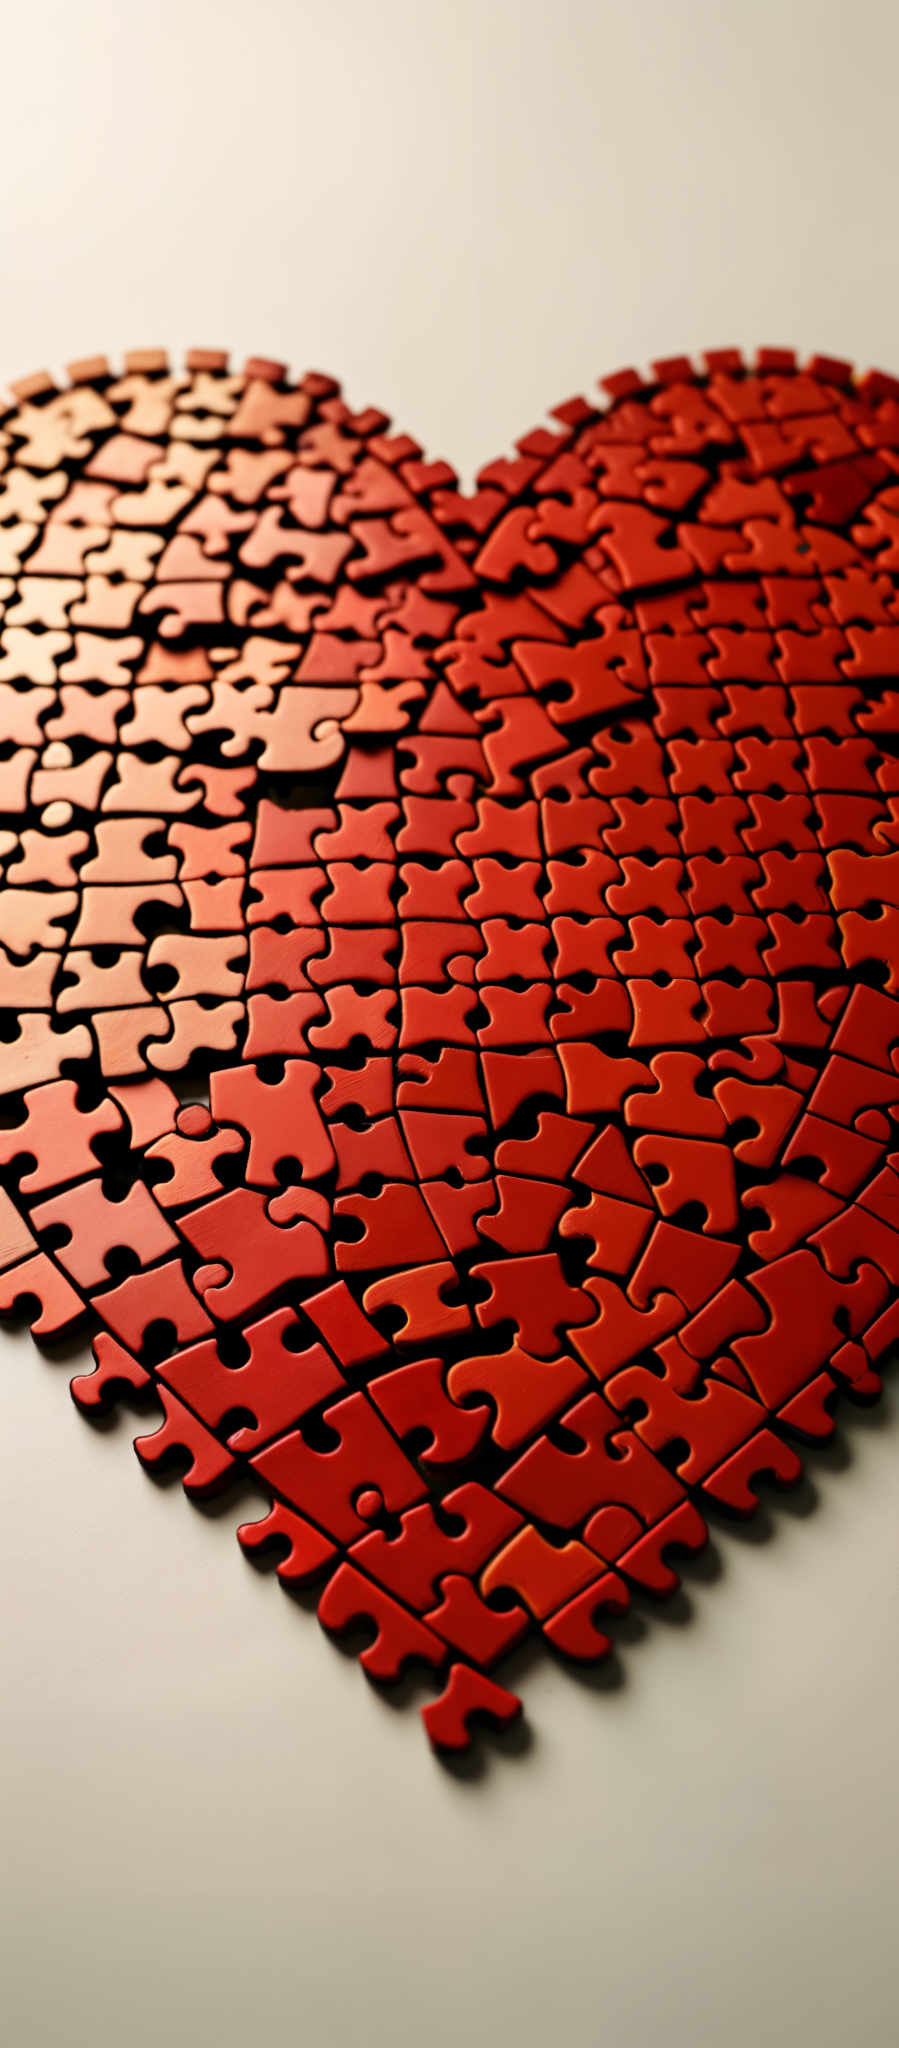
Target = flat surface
(219,1831)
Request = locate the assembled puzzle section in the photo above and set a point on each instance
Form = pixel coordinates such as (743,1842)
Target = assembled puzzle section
(516,872)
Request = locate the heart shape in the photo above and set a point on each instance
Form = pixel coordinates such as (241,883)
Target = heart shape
(521,869)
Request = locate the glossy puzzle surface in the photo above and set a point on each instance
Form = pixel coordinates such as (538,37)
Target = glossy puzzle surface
(522,869)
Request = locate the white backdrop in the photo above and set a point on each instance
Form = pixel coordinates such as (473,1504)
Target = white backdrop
(216,1831)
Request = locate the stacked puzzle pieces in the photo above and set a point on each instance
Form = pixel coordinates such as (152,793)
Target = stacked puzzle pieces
(449,950)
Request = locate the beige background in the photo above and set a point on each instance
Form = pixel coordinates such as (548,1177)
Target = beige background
(215,1831)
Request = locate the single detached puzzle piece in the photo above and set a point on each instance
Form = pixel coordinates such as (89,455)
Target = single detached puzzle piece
(469,1696)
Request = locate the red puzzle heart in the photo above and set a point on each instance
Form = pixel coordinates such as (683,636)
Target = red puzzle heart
(522,868)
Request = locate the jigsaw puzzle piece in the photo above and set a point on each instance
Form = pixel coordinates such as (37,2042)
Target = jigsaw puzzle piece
(533,1295)
(86,1228)
(418,1298)
(114,1370)
(470,1625)
(158,1300)
(343,1487)
(346,1330)
(37,1280)
(524,1391)
(307,1551)
(248,1254)
(469,1697)
(544,1575)
(281,1119)
(188,1158)
(642,1552)
(591,1459)
(180,1435)
(57,1133)
(454,1540)
(400,1637)
(415,1403)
